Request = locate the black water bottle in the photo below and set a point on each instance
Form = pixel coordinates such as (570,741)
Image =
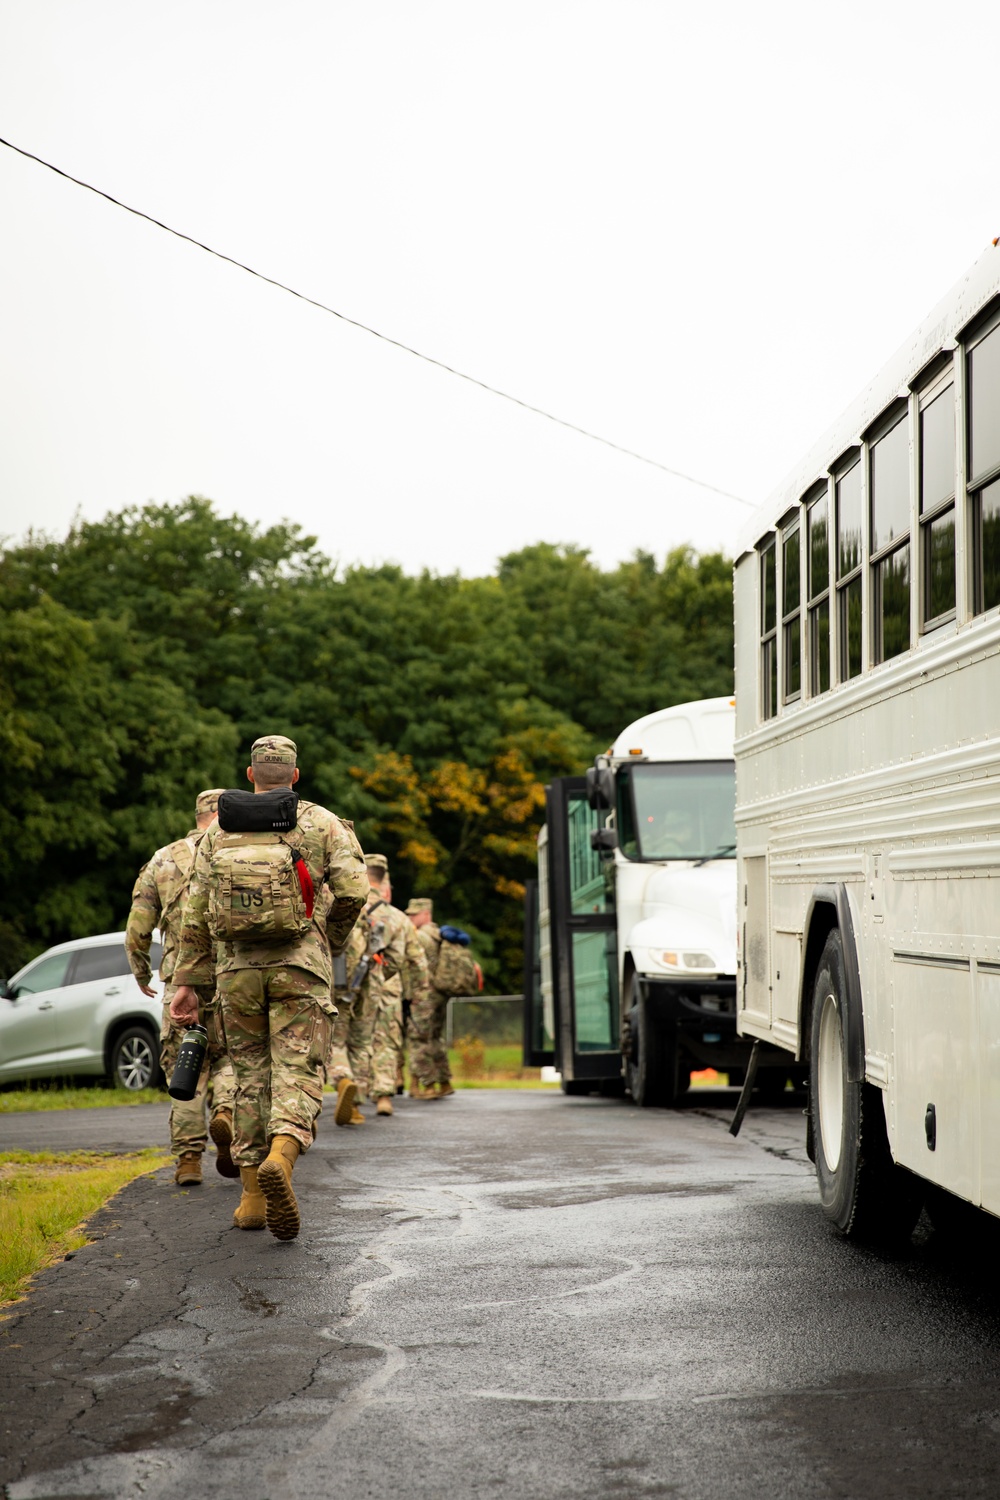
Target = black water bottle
(187,1069)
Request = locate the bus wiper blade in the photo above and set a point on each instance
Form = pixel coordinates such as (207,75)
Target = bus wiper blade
(722,850)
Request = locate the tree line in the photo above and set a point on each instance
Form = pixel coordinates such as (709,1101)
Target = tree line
(142,654)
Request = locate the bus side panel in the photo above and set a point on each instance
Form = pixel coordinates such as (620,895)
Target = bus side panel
(987,988)
(789,900)
(944,962)
(755,986)
(937,1064)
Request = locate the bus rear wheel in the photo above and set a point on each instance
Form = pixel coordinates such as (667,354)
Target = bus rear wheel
(863,1193)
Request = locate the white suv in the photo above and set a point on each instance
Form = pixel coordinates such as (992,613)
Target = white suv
(77,1009)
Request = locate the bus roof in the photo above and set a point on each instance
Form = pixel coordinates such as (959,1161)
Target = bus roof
(688,731)
(937,333)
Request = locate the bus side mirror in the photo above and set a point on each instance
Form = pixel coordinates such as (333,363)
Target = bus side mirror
(604,840)
(601,788)
(5,991)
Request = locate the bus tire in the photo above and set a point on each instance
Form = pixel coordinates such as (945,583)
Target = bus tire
(863,1193)
(644,1067)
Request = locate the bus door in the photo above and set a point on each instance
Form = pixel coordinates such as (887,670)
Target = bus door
(538,1015)
(582,938)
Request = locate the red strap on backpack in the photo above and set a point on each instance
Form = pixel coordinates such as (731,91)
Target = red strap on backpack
(305,882)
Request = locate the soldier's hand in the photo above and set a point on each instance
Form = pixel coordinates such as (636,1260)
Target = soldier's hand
(147,991)
(184,1005)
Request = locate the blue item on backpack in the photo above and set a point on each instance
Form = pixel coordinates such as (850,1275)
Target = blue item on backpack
(456,935)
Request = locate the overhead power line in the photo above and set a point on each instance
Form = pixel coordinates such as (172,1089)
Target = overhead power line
(385,337)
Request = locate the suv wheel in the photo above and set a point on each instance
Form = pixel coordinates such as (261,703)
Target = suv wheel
(135,1059)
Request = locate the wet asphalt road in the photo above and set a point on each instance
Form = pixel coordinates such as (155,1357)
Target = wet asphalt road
(508,1294)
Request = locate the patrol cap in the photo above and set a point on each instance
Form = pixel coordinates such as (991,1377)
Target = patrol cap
(207,803)
(275,750)
(377,862)
(417,904)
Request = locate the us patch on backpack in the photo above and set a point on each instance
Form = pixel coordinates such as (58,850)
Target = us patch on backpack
(256,891)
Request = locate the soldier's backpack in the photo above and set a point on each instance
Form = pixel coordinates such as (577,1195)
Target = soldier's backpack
(260,890)
(455,972)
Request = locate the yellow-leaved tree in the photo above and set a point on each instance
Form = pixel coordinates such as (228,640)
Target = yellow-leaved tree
(466,835)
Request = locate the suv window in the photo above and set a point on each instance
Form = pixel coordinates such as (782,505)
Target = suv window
(48,974)
(110,962)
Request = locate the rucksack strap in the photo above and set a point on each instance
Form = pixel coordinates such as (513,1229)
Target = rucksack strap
(302,871)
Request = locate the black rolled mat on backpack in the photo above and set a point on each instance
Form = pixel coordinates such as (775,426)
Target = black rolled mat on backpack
(259,812)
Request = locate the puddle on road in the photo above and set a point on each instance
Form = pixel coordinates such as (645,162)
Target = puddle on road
(161,1422)
(252,1300)
(600,1192)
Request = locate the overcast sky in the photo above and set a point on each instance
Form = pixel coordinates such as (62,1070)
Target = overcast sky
(696,229)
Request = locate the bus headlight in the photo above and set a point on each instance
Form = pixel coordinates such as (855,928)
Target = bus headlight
(685,959)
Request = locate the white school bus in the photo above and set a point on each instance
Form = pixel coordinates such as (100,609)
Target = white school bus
(867,621)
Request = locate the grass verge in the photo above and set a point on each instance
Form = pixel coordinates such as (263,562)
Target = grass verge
(15,1100)
(45,1199)
(478,1065)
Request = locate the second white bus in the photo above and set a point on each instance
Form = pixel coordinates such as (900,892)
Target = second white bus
(867,615)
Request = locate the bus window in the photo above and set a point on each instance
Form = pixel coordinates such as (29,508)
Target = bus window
(849,519)
(677,810)
(937,505)
(890,547)
(984,406)
(791,589)
(988,509)
(768,631)
(818,592)
(984,462)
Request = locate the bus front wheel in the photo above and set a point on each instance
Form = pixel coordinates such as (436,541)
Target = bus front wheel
(863,1193)
(654,1071)
(643,1064)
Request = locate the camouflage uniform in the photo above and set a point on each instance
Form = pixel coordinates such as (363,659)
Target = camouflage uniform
(368,1032)
(428,1051)
(157,901)
(274,997)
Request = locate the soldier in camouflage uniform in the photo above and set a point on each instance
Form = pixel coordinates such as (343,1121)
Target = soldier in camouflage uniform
(368,1032)
(430,1074)
(157,901)
(274,996)
(409,984)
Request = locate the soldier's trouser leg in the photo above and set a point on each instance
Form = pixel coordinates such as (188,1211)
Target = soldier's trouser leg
(188,1133)
(426,1014)
(387,1045)
(221,1078)
(338,1060)
(277,1029)
(439,1047)
(360,1031)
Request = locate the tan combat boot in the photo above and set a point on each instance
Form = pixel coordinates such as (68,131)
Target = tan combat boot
(445,1088)
(419,1091)
(221,1131)
(251,1211)
(383,1105)
(188,1173)
(275,1179)
(347,1093)
(357,1118)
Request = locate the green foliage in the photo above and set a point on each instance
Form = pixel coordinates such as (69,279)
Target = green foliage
(141,656)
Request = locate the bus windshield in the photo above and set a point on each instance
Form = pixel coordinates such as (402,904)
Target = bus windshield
(677,810)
